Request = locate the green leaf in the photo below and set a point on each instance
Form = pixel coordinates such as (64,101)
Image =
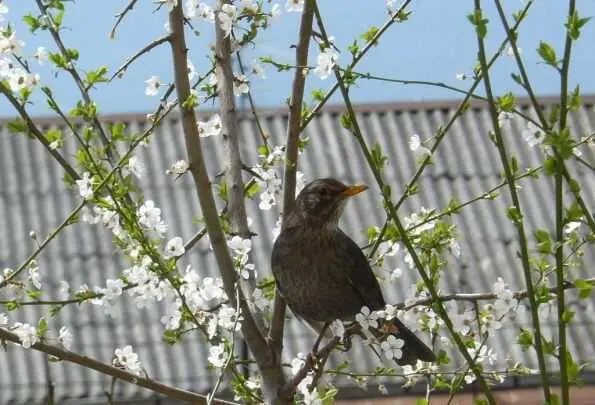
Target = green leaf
(346,121)
(514,165)
(576,100)
(553,400)
(544,241)
(567,316)
(251,190)
(525,339)
(550,166)
(573,212)
(507,102)
(480,23)
(514,215)
(353,48)
(32,22)
(370,34)
(584,288)
(96,76)
(377,157)
(574,25)
(548,54)
(18,126)
(318,94)
(421,401)
(42,327)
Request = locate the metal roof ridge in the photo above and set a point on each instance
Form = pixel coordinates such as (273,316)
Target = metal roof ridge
(367,107)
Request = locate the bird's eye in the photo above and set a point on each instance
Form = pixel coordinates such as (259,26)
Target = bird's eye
(323,192)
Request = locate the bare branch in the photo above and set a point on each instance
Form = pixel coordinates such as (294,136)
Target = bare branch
(149,47)
(295,107)
(87,362)
(120,17)
(474,297)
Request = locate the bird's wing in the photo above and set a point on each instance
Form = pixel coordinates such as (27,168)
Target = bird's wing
(359,274)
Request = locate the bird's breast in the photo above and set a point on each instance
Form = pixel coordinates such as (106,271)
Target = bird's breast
(310,272)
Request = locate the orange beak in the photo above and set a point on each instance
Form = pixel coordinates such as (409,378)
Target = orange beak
(353,190)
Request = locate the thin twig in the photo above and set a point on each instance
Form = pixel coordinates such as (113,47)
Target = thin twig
(149,47)
(120,16)
(518,220)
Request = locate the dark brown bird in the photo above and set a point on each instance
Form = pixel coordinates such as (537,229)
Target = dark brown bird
(322,274)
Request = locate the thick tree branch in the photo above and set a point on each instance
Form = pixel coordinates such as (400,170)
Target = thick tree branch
(291,156)
(198,169)
(108,369)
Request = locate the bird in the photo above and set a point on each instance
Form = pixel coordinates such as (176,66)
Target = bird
(323,275)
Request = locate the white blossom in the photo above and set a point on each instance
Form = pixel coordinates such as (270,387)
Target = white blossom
(240,85)
(11,45)
(366,318)
(217,355)
(33,275)
(275,11)
(3,319)
(3,11)
(149,216)
(175,247)
(85,186)
(257,70)
(136,167)
(65,337)
(113,289)
(128,359)
(571,227)
(325,62)
(26,333)
(392,347)
(229,319)
(211,127)
(178,168)
(415,145)
(461,76)
(249,6)
(153,84)
(227,17)
(64,290)
(259,300)
(533,135)
(294,6)
(338,328)
(463,322)
(41,54)
(297,363)
(504,117)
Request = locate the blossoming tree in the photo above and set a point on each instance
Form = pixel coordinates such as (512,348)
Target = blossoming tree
(237,302)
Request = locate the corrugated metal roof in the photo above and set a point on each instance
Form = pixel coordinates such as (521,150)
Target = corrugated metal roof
(32,197)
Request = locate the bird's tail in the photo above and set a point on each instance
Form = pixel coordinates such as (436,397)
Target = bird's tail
(413,349)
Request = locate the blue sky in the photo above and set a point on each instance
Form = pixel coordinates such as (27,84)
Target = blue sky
(434,45)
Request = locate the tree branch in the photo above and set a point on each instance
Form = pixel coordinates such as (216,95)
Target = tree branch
(149,47)
(291,157)
(198,169)
(87,362)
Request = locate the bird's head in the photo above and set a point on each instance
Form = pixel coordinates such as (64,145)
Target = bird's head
(321,202)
